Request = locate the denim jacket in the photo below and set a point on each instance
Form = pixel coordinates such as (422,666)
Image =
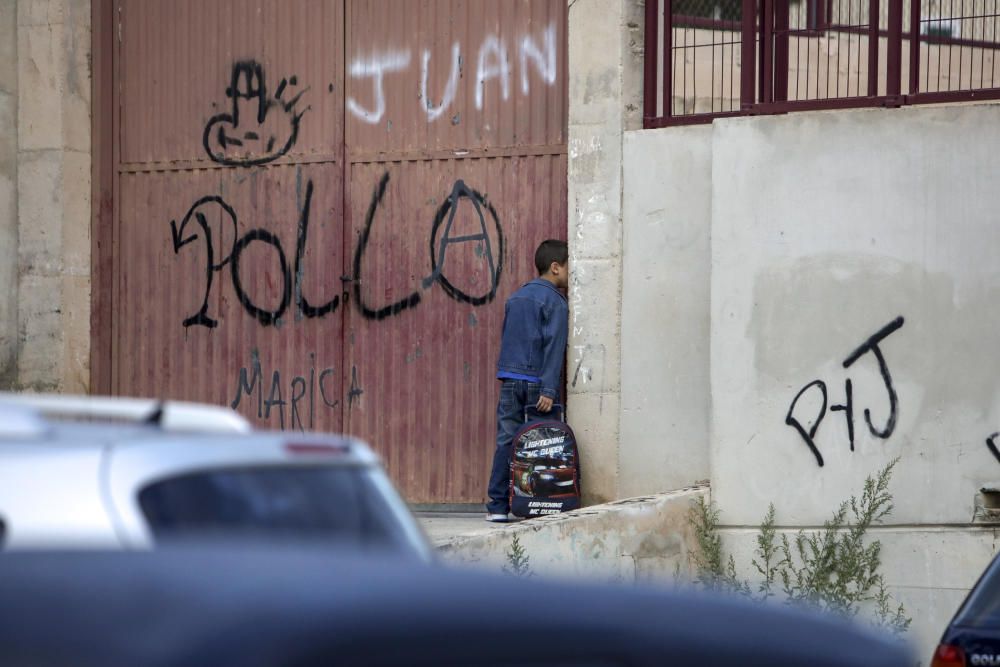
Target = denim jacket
(535,327)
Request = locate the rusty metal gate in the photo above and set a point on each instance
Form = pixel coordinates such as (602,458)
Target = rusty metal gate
(313,210)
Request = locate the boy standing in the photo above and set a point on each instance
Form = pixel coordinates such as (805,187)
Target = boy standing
(532,351)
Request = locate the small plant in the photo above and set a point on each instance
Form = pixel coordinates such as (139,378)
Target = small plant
(771,560)
(517,560)
(714,572)
(831,569)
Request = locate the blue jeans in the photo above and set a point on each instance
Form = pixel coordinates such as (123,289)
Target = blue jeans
(516,396)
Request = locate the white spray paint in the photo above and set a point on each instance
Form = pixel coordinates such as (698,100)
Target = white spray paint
(493,62)
(434,112)
(376,67)
(546,63)
(496,50)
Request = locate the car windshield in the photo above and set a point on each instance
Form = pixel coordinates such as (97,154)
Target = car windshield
(341,503)
(982,609)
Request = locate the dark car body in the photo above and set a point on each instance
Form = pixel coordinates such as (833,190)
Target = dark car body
(973,635)
(298,608)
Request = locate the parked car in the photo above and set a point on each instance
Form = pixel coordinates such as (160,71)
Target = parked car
(302,609)
(973,635)
(110,473)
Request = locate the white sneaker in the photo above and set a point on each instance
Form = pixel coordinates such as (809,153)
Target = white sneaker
(496,518)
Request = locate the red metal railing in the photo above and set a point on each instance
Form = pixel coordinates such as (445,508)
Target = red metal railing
(742,57)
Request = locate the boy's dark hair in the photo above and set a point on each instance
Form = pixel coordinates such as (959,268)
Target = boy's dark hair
(550,251)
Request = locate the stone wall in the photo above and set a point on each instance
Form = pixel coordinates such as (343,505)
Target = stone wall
(8,192)
(45,189)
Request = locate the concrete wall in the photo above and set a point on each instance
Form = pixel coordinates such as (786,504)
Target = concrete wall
(825,229)
(45,194)
(647,539)
(605,100)
(815,232)
(596,125)
(813,253)
(665,309)
(8,192)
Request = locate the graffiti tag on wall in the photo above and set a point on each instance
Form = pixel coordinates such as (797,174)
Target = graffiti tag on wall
(238,138)
(493,70)
(439,245)
(883,432)
(304,389)
(258,128)
(442,239)
(233,256)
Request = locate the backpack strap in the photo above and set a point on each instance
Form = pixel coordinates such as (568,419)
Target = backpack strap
(562,413)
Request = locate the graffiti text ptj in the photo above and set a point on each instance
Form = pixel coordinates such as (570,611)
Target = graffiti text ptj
(883,431)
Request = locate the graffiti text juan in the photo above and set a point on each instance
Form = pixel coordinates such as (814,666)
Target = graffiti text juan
(493,80)
(883,432)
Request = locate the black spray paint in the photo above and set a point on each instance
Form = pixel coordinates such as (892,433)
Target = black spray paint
(871,345)
(355,391)
(300,390)
(438,251)
(809,435)
(289,281)
(359,253)
(293,278)
(991,443)
(449,208)
(176,234)
(263,316)
(303,304)
(239,138)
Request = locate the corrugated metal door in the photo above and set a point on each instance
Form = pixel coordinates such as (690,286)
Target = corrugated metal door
(229,244)
(457,169)
(311,278)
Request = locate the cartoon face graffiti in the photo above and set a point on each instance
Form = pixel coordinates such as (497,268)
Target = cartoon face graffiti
(258,128)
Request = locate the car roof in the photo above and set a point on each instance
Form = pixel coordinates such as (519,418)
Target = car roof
(168,415)
(38,424)
(305,607)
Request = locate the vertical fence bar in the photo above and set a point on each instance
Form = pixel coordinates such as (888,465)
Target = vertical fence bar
(812,15)
(982,52)
(650,46)
(873,46)
(668,59)
(781,24)
(914,46)
(766,50)
(747,54)
(894,52)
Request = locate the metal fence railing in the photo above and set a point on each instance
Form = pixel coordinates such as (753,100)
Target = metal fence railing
(707,59)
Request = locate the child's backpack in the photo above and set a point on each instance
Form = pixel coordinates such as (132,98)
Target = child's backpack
(544,469)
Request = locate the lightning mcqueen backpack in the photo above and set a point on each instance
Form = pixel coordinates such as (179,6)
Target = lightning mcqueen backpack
(544,469)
